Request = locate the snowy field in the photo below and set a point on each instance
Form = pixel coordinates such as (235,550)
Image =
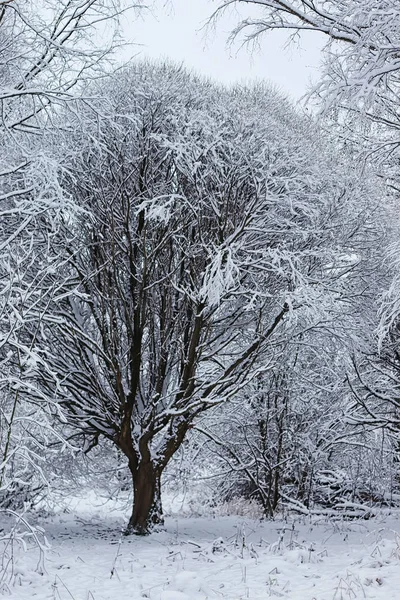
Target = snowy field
(221,557)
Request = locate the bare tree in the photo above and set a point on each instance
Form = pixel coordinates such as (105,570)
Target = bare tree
(361,67)
(206,222)
(360,87)
(47,50)
(295,436)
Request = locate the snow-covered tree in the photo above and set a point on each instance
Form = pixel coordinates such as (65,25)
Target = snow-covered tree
(363,39)
(359,90)
(206,221)
(47,49)
(361,70)
(293,437)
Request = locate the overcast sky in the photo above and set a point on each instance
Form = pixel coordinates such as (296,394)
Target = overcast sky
(176,31)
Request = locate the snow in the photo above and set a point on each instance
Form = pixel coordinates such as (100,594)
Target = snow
(221,557)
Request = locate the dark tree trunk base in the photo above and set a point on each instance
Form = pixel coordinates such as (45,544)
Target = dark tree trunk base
(139,530)
(147,509)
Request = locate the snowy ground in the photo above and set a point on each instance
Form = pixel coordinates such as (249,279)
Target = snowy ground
(222,557)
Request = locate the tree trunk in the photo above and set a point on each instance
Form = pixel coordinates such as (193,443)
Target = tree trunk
(147,508)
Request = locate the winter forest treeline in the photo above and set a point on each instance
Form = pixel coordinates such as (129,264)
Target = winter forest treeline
(197,282)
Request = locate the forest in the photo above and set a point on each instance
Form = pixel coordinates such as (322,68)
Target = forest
(199,310)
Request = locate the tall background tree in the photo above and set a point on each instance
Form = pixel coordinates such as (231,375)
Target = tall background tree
(358,93)
(47,51)
(360,72)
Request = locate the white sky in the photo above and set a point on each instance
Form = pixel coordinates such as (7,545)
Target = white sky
(175,31)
